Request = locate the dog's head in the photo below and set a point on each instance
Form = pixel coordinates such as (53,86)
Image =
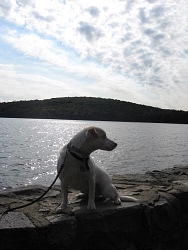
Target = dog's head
(91,139)
(96,139)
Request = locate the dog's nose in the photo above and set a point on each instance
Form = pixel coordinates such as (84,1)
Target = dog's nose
(115,144)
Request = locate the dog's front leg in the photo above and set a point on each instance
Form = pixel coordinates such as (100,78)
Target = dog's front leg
(91,198)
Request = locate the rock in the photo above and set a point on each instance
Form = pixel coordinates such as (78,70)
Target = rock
(15,220)
(18,232)
(159,221)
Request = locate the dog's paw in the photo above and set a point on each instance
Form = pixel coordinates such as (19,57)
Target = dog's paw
(61,209)
(117,201)
(91,206)
(64,211)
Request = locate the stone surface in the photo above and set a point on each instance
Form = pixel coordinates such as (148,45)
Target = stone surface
(158,221)
(15,220)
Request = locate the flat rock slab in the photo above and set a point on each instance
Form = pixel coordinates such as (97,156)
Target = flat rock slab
(158,221)
(14,220)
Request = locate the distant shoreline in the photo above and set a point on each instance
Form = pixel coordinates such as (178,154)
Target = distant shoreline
(90,109)
(59,119)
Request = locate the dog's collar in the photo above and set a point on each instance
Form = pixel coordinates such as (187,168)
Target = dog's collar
(81,157)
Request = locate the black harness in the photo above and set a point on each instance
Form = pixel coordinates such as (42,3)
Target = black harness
(85,160)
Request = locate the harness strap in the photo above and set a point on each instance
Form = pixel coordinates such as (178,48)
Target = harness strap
(85,160)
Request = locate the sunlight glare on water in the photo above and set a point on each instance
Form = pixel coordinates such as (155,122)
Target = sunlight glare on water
(30,147)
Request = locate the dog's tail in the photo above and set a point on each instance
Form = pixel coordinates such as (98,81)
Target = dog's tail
(128,198)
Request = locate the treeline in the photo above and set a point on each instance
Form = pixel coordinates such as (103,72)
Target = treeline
(88,108)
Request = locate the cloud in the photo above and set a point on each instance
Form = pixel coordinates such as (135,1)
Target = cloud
(90,32)
(152,1)
(157,11)
(43,18)
(22,86)
(23,3)
(5,7)
(149,32)
(142,15)
(94,11)
(137,46)
(47,51)
(129,5)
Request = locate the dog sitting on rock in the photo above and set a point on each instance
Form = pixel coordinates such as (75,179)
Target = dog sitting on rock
(78,170)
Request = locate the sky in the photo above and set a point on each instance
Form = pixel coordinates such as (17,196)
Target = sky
(130,50)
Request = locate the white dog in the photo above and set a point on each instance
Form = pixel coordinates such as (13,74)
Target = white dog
(79,171)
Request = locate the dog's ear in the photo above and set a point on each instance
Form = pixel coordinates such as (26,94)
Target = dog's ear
(93,132)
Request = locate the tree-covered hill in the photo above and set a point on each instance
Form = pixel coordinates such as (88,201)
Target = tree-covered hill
(88,108)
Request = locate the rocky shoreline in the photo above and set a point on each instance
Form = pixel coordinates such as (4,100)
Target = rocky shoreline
(158,221)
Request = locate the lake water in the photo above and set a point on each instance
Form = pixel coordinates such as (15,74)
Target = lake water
(29,148)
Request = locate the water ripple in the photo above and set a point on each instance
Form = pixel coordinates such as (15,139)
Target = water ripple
(29,148)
